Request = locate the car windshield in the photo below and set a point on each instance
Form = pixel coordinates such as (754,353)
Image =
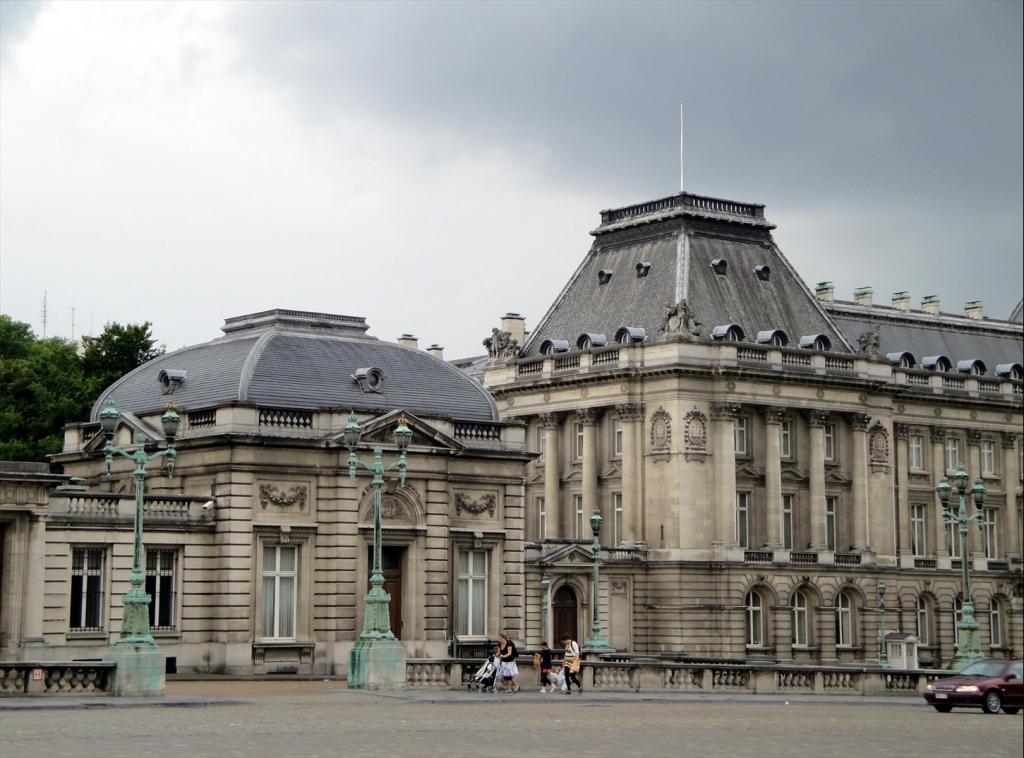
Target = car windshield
(984,668)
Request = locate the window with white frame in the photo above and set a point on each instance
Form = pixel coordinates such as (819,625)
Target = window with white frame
(617,518)
(739,435)
(577,441)
(844,619)
(952,453)
(990,532)
(755,619)
(742,523)
(918,529)
(995,622)
(787,521)
(542,439)
(924,621)
(800,624)
(958,616)
(472,600)
(830,521)
(87,589)
(988,457)
(542,519)
(830,442)
(279,574)
(915,446)
(954,540)
(160,586)
(617,433)
(786,439)
(577,506)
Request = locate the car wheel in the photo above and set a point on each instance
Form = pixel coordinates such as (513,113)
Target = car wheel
(993,702)
(943,708)
(1010,709)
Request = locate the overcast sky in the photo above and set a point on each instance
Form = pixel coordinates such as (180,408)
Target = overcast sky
(431,166)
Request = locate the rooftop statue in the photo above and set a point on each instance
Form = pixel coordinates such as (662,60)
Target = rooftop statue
(679,319)
(868,342)
(501,345)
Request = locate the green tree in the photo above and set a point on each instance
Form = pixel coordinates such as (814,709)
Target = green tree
(114,353)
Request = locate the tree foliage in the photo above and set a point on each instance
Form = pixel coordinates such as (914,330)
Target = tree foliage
(46,383)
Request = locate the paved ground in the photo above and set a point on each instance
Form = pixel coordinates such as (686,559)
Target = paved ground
(295,718)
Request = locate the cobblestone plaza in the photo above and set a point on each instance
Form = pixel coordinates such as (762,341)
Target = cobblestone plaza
(321,718)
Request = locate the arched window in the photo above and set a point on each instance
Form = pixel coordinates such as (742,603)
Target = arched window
(755,619)
(923,620)
(958,616)
(995,620)
(844,619)
(801,630)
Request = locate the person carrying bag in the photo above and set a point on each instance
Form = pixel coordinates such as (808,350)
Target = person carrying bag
(571,665)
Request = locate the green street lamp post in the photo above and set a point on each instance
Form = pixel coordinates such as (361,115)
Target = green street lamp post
(597,642)
(377,660)
(969,646)
(883,648)
(140,664)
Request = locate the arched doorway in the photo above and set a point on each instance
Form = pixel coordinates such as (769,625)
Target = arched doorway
(565,612)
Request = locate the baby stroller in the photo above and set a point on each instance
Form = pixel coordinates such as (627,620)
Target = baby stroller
(483,679)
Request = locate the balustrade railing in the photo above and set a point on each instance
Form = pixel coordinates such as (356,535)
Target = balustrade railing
(750,355)
(529,369)
(54,678)
(920,380)
(835,363)
(682,200)
(757,556)
(803,557)
(925,563)
(986,386)
(568,362)
(202,419)
(796,359)
(477,430)
(286,418)
(847,559)
(953,383)
(605,357)
(95,507)
(998,565)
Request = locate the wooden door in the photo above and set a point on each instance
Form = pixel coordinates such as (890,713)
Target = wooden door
(391,566)
(565,610)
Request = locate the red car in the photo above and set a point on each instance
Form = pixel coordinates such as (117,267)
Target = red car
(991,683)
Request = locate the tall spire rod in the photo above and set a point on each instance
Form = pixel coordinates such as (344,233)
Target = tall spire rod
(680,145)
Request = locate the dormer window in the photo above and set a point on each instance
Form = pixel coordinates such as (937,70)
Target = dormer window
(643,268)
(901,359)
(170,379)
(369,379)
(938,363)
(719,266)
(818,342)
(604,276)
(763,272)
(1010,371)
(550,347)
(773,337)
(972,366)
(630,335)
(727,333)
(588,340)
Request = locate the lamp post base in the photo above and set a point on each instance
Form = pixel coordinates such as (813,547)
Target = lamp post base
(141,668)
(597,645)
(969,649)
(376,663)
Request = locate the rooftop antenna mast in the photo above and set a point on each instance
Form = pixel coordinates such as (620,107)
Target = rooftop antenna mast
(46,314)
(680,145)
(72,320)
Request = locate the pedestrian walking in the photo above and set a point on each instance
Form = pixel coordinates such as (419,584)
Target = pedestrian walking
(571,665)
(507,654)
(544,661)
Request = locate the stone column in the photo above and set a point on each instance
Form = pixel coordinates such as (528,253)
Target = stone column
(859,484)
(975,541)
(724,414)
(817,421)
(903,546)
(938,438)
(632,415)
(588,417)
(1011,477)
(555,518)
(773,418)
(35,577)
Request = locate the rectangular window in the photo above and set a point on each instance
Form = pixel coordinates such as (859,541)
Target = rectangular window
(786,439)
(617,512)
(990,522)
(87,590)
(952,453)
(988,457)
(542,519)
(617,432)
(577,444)
(916,448)
(160,586)
(542,438)
(953,540)
(787,522)
(577,504)
(472,593)
(830,442)
(995,623)
(923,623)
(918,529)
(280,570)
(742,535)
(830,523)
(739,428)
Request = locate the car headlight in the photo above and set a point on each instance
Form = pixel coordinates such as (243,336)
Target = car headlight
(929,687)
(966,688)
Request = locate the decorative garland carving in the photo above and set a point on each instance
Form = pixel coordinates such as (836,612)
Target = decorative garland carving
(464,502)
(271,495)
(661,429)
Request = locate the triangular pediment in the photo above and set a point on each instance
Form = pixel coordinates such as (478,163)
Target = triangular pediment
(573,554)
(99,441)
(748,471)
(574,475)
(613,472)
(380,431)
(536,477)
(792,475)
(834,477)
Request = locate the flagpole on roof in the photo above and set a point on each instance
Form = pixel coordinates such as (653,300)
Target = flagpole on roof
(680,145)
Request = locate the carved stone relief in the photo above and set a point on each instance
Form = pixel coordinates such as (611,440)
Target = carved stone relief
(661,430)
(695,433)
(485,503)
(878,443)
(283,498)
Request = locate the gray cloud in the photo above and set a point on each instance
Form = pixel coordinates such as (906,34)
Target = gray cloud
(16,18)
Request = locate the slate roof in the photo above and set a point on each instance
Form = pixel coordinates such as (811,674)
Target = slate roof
(680,236)
(1017,314)
(923,334)
(293,359)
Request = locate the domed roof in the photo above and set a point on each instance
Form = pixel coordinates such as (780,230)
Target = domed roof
(294,359)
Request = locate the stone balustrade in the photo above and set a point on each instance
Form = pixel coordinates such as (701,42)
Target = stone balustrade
(106,508)
(74,678)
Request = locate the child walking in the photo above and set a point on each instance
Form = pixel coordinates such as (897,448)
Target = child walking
(545,669)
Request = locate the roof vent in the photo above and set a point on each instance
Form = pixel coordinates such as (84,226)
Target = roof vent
(936,363)
(763,272)
(974,309)
(971,366)
(930,304)
(901,301)
(369,379)
(719,266)
(643,268)
(1010,371)
(604,276)
(901,359)
(630,335)
(825,291)
(170,380)
(773,337)
(727,333)
(819,342)
(550,347)
(587,340)
(864,296)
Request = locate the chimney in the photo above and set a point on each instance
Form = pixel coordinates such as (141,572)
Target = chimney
(516,325)
(437,351)
(930,304)
(901,301)
(407,340)
(974,310)
(825,292)
(864,296)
